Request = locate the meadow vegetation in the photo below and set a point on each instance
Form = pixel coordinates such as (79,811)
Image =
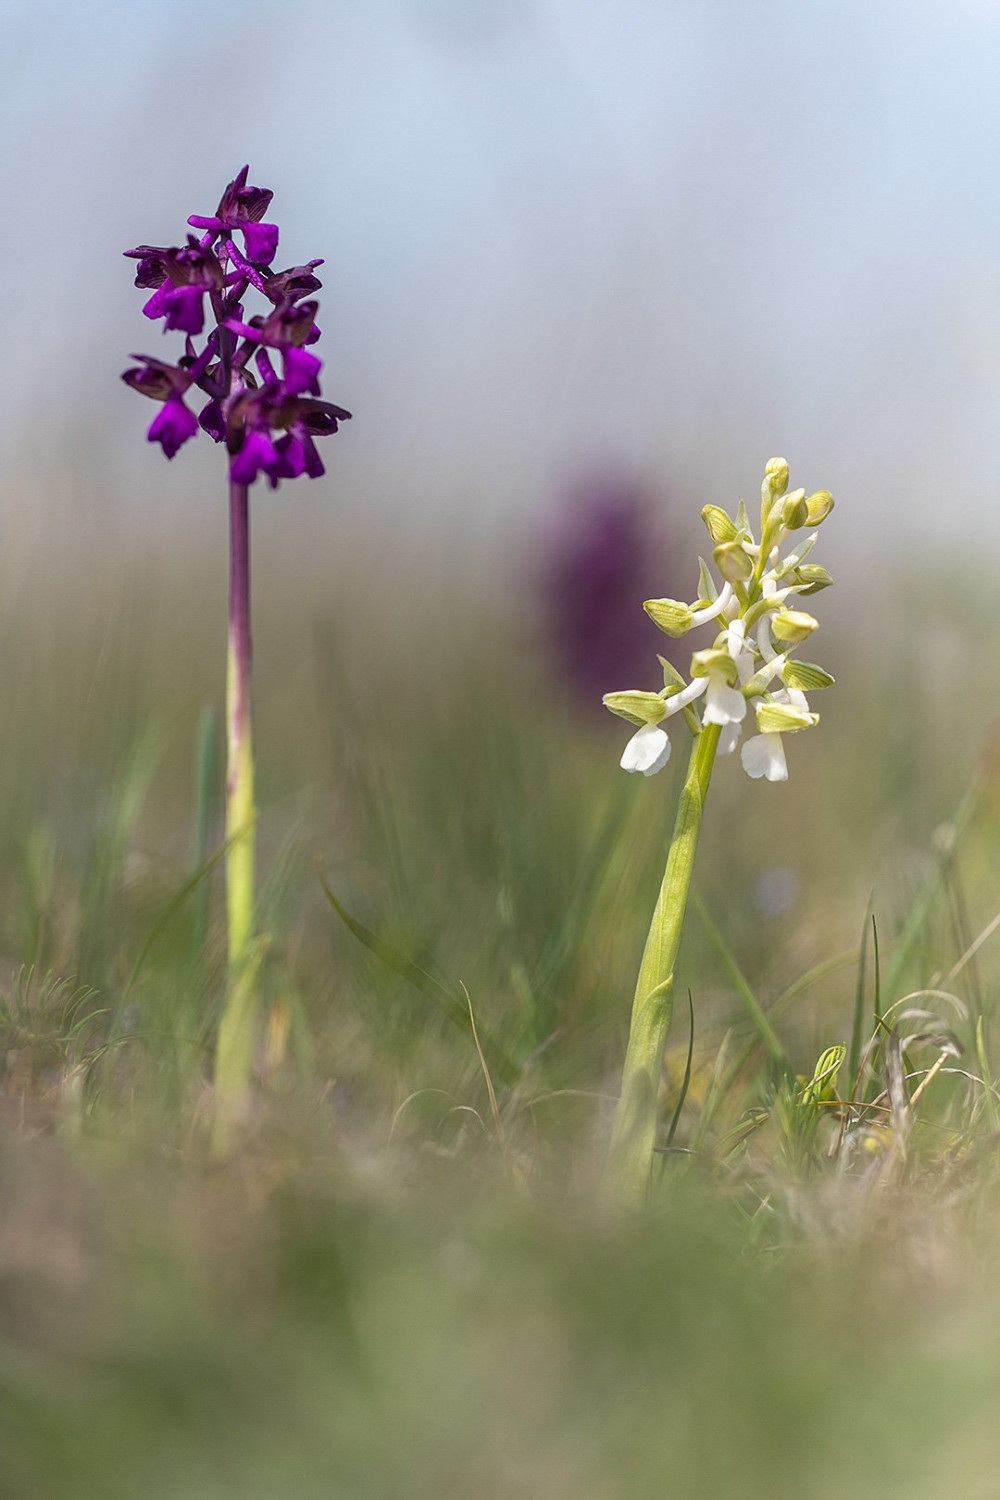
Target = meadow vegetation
(406,1281)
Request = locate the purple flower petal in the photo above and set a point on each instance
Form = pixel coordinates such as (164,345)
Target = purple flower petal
(296,282)
(155,379)
(321,417)
(301,372)
(211,420)
(314,464)
(156,306)
(151,270)
(292,451)
(184,308)
(257,452)
(261,241)
(173,426)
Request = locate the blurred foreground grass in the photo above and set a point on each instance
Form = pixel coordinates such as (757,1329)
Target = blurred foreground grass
(396,1290)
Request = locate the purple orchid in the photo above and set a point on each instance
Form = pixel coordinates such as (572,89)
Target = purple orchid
(273,416)
(269,423)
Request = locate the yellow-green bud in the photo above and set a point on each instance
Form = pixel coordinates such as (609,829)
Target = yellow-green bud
(782,718)
(795,511)
(703,663)
(636,707)
(673,617)
(806,676)
(820,506)
(792,625)
(721,528)
(822,1086)
(809,578)
(732,562)
(775,479)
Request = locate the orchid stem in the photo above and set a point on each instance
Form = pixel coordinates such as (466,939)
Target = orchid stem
(235,1042)
(630,1162)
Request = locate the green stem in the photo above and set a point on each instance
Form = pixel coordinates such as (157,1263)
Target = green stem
(634,1135)
(235,1042)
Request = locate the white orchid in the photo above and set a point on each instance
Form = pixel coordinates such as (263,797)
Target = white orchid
(749,663)
(758,626)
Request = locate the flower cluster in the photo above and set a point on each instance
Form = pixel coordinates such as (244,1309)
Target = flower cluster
(268,418)
(750,661)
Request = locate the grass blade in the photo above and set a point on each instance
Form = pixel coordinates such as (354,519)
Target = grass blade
(687,1074)
(857,1027)
(439,994)
(755,1010)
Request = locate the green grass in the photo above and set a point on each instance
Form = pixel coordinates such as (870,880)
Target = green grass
(405,1283)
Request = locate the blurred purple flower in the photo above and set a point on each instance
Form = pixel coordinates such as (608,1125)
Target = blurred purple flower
(267,420)
(605,553)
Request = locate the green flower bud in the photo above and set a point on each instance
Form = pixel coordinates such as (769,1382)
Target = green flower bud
(732,562)
(795,511)
(703,663)
(673,617)
(822,1086)
(782,718)
(775,479)
(792,625)
(721,528)
(806,676)
(820,506)
(638,708)
(810,578)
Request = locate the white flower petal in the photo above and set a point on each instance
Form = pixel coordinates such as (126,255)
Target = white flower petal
(702,616)
(764,646)
(685,696)
(647,751)
(764,755)
(723,704)
(729,738)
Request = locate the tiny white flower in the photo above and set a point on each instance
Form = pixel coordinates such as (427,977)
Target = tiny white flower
(764,755)
(723,704)
(649,748)
(729,738)
(647,751)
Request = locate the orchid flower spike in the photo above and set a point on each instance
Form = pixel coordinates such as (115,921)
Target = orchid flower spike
(754,610)
(267,419)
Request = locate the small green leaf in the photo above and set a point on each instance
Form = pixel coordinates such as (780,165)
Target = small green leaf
(793,625)
(672,679)
(672,617)
(707,591)
(635,706)
(782,718)
(807,677)
(810,578)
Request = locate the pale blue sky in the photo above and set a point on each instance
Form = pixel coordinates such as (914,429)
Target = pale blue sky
(689,233)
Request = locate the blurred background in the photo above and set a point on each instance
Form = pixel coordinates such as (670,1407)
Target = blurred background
(588,265)
(675,236)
